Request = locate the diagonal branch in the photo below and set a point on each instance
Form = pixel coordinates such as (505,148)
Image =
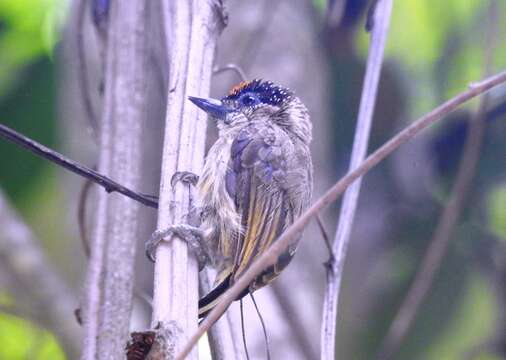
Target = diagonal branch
(381,21)
(269,257)
(98,178)
(449,218)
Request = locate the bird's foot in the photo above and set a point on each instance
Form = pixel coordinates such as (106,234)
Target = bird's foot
(191,234)
(185,177)
(193,217)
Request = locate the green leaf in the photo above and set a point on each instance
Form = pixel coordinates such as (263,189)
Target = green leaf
(22,340)
(31,29)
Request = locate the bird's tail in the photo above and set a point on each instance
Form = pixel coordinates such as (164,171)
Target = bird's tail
(209,301)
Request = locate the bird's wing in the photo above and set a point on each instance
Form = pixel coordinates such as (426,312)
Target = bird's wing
(258,180)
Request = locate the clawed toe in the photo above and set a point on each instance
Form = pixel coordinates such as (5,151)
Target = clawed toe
(186,177)
(153,242)
(192,235)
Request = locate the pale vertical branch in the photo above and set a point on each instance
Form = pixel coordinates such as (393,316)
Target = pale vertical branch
(49,297)
(110,271)
(450,216)
(379,34)
(191,30)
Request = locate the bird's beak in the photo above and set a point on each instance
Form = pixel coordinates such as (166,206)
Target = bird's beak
(213,107)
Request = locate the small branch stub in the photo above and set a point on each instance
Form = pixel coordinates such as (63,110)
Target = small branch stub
(166,338)
(140,345)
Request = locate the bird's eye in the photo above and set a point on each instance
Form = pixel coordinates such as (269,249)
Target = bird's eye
(249,100)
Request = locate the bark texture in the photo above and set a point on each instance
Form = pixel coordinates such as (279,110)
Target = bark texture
(108,299)
(191,30)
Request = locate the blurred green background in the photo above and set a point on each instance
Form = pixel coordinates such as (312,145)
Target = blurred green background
(435,49)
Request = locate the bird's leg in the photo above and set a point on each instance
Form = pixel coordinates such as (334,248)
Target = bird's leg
(189,231)
(190,179)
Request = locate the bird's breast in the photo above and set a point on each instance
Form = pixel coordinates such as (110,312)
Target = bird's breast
(212,188)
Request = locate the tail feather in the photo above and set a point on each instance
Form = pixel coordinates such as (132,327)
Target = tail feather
(209,301)
(211,298)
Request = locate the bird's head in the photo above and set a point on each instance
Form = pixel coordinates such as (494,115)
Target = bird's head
(259,100)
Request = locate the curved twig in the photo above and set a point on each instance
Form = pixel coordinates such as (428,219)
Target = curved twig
(231,67)
(91,116)
(81,216)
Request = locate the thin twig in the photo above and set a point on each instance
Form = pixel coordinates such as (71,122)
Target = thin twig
(449,218)
(264,327)
(243,329)
(91,116)
(94,278)
(107,183)
(270,256)
(231,67)
(326,240)
(379,35)
(81,216)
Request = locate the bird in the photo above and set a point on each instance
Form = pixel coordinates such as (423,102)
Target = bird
(257,179)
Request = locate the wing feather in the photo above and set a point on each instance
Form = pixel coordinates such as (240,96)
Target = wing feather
(270,184)
(258,162)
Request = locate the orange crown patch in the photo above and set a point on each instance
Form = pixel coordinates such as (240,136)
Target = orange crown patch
(237,88)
